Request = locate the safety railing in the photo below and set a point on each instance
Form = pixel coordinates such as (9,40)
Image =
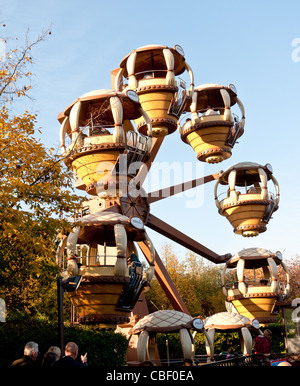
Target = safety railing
(240,361)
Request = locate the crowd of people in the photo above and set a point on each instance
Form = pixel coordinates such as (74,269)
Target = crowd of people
(53,357)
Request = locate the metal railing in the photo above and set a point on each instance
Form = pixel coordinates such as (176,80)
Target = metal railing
(248,360)
(201,360)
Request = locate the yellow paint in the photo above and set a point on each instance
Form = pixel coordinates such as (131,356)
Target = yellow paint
(211,138)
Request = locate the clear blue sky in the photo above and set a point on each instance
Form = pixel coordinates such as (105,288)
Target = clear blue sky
(247,43)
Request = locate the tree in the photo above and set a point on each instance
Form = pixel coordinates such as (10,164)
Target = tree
(156,298)
(197,281)
(36,194)
(14,69)
(293,265)
(206,278)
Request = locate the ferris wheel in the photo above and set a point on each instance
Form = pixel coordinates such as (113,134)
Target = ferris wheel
(109,139)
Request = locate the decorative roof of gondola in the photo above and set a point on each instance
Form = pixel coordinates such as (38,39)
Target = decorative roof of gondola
(151,56)
(254,257)
(163,320)
(130,110)
(247,172)
(229,321)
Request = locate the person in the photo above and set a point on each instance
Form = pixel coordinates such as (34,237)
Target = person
(69,360)
(49,359)
(252,190)
(31,352)
(226,351)
(210,111)
(51,356)
(56,350)
(263,344)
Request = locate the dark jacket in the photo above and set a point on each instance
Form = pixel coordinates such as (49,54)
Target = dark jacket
(25,361)
(68,361)
(262,346)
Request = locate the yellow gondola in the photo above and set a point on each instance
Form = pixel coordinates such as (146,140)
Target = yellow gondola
(101,249)
(256,297)
(99,130)
(248,212)
(213,130)
(151,71)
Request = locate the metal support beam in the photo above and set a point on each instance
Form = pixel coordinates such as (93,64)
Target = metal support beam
(144,170)
(175,189)
(174,234)
(165,280)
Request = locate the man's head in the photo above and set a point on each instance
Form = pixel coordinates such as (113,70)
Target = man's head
(71,349)
(31,349)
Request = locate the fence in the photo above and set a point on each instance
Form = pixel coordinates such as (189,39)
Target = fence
(249,360)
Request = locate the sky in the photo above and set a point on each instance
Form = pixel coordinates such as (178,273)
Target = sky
(254,45)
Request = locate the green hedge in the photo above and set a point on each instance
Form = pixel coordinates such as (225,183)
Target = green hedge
(104,348)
